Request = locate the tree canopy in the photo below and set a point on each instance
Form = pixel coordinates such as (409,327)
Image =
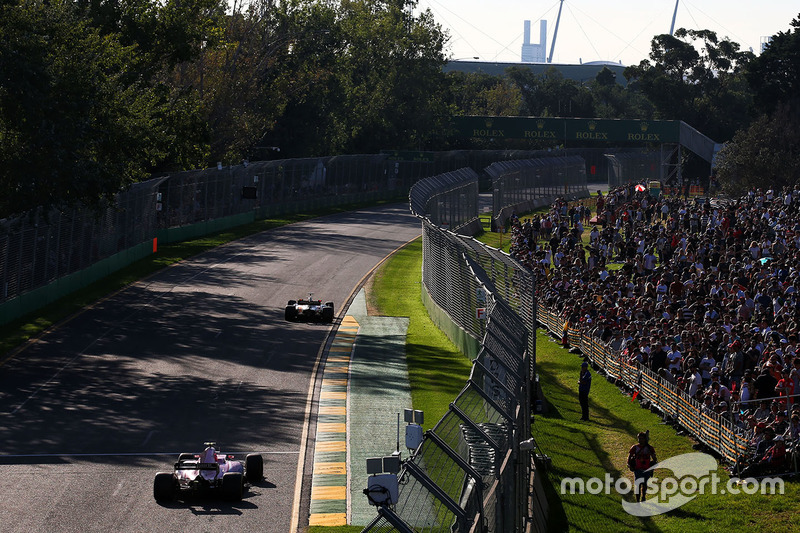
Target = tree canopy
(766,152)
(98,94)
(695,77)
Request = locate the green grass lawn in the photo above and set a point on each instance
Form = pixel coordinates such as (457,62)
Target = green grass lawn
(586,450)
(437,369)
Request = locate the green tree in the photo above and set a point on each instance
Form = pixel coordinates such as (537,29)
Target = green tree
(775,75)
(766,153)
(351,77)
(391,75)
(165,33)
(73,128)
(551,94)
(477,93)
(697,78)
(304,63)
(763,155)
(612,100)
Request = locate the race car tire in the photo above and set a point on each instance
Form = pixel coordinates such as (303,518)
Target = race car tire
(232,486)
(164,488)
(186,457)
(292,303)
(291,313)
(327,314)
(254,467)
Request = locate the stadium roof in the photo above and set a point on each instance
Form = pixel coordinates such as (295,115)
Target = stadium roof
(583,73)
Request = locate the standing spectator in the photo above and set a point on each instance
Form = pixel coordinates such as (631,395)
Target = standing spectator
(695,379)
(649,261)
(584,384)
(765,384)
(640,458)
(674,357)
(784,388)
(706,364)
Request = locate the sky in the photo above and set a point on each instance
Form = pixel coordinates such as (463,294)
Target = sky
(595,30)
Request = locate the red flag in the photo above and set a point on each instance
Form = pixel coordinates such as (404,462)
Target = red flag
(635,394)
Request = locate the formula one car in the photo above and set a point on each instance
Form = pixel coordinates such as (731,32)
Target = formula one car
(309,309)
(208,472)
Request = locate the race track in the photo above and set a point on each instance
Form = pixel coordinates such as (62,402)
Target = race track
(200,351)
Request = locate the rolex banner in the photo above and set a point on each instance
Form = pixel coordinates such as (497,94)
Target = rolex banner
(567,129)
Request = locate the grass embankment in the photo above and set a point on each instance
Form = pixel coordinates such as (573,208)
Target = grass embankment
(585,450)
(19,331)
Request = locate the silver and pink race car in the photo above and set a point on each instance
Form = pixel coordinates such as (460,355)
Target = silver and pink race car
(207,472)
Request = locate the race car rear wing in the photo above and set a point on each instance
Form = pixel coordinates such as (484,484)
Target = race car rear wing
(196,466)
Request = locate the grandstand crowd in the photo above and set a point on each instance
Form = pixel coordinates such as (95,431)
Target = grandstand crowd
(704,293)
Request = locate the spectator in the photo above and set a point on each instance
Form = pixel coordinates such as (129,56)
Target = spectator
(793,431)
(785,387)
(584,384)
(695,379)
(770,455)
(765,384)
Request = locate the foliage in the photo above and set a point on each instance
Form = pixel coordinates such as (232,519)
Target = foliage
(72,127)
(481,94)
(763,155)
(612,100)
(95,95)
(391,75)
(697,78)
(774,76)
(315,78)
(550,94)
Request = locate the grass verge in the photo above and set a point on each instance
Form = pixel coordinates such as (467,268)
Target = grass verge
(586,450)
(437,370)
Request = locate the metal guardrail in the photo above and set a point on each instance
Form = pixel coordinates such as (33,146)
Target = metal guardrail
(524,185)
(448,200)
(46,255)
(714,430)
(469,473)
(40,247)
(464,477)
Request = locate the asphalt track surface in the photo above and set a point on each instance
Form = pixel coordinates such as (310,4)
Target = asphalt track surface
(200,351)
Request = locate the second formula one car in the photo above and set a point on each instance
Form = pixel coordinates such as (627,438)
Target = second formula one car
(309,309)
(207,473)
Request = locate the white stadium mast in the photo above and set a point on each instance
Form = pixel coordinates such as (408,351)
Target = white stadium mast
(555,33)
(674,14)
